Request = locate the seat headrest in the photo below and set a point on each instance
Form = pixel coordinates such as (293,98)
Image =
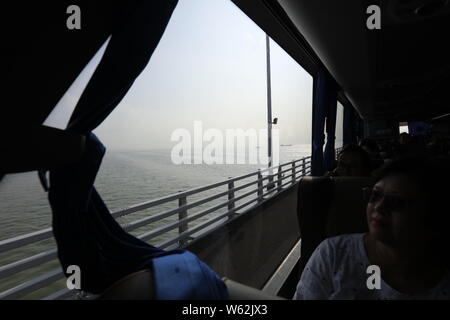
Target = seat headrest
(347,206)
(330,206)
(333,205)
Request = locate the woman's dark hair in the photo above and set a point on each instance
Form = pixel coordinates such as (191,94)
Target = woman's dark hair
(431,173)
(433,177)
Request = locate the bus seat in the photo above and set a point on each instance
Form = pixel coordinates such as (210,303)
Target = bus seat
(135,286)
(330,206)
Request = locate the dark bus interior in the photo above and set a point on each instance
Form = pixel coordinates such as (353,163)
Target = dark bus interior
(385,78)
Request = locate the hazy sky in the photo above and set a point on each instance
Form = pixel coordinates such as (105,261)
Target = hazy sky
(210,65)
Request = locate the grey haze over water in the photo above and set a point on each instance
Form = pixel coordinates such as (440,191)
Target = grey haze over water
(125,178)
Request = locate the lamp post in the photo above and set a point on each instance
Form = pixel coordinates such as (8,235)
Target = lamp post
(269,104)
(270,184)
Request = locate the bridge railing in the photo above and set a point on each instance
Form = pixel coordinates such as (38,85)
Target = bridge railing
(238,194)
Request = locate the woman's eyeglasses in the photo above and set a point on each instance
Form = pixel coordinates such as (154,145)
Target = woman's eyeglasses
(392,201)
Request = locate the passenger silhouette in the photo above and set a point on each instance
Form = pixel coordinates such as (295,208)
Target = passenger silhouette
(373,150)
(353,161)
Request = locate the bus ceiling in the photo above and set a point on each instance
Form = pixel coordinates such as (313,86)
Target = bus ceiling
(399,71)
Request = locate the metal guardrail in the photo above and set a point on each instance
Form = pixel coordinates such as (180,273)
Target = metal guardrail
(276,180)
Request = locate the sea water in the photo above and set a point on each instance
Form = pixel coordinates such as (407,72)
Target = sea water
(125,178)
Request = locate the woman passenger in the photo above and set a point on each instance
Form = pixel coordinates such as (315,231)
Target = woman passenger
(407,216)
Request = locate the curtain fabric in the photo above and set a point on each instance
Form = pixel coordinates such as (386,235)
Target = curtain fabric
(330,128)
(324,111)
(349,130)
(318,123)
(86,234)
(418,128)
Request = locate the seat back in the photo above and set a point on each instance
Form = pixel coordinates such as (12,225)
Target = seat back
(330,206)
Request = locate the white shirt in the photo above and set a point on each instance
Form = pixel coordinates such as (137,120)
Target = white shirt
(337,269)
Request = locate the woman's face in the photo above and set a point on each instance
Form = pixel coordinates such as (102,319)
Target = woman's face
(396,211)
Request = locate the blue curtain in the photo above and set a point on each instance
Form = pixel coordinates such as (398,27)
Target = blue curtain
(324,110)
(353,130)
(86,234)
(349,130)
(418,128)
(330,128)
(318,123)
